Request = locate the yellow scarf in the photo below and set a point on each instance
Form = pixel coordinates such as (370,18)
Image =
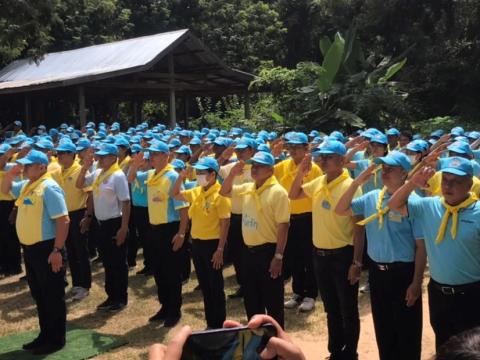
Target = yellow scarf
(328,186)
(136,185)
(30,187)
(375,171)
(257,192)
(380,212)
(103,176)
(290,172)
(156,178)
(66,173)
(201,200)
(453,210)
(125,162)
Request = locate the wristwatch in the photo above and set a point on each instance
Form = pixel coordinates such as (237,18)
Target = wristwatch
(278,256)
(56,250)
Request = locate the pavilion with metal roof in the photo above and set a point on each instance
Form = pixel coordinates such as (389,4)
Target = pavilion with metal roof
(164,66)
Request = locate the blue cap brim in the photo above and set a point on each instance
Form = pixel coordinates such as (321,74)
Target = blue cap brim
(103,153)
(24,161)
(202,167)
(241,146)
(262,162)
(151,149)
(293,142)
(455,172)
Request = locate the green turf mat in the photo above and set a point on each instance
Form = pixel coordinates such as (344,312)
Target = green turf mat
(81,344)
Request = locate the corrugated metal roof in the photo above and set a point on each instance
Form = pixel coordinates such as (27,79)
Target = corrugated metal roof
(91,63)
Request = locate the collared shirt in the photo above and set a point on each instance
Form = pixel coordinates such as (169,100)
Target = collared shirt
(375,182)
(40,208)
(452,261)
(5,197)
(330,231)
(260,219)
(139,191)
(244,178)
(76,198)
(395,240)
(286,171)
(162,208)
(206,210)
(107,201)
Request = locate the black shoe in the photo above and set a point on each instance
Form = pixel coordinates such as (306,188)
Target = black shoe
(171,321)
(237,294)
(48,348)
(116,307)
(197,288)
(105,305)
(97,260)
(144,271)
(23,278)
(33,344)
(8,273)
(161,315)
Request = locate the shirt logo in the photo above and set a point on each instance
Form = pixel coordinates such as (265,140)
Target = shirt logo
(249,222)
(455,163)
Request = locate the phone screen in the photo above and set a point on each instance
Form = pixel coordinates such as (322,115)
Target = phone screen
(228,344)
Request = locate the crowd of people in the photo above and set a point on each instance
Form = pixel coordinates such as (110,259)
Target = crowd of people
(314,207)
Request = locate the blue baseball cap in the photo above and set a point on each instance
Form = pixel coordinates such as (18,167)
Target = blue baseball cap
(263,158)
(184,149)
(17,123)
(297,138)
(220,141)
(244,143)
(457,166)
(393,132)
(159,146)
(66,146)
(4,148)
(44,144)
(83,144)
(457,131)
(34,157)
(178,164)
(437,134)
(63,126)
(206,163)
(195,141)
(395,158)
(136,148)
(107,149)
(314,133)
(185,133)
(121,141)
(474,135)
(379,138)
(417,146)
(174,143)
(337,135)
(264,147)
(460,147)
(330,146)
(17,139)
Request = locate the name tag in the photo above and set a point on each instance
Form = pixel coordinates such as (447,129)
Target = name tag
(394,217)
(326,205)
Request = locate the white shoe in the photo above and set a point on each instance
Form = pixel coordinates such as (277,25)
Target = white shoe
(307,305)
(81,294)
(365,289)
(293,302)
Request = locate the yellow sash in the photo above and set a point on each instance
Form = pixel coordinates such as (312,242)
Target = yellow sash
(125,162)
(103,176)
(453,210)
(66,173)
(257,192)
(30,187)
(156,178)
(380,212)
(201,200)
(328,186)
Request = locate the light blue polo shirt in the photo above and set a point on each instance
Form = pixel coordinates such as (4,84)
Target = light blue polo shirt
(452,262)
(360,166)
(191,184)
(139,191)
(395,241)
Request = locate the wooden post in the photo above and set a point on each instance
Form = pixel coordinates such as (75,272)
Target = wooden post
(248,114)
(28,113)
(81,107)
(171,73)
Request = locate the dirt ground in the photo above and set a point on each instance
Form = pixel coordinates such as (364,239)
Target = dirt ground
(17,314)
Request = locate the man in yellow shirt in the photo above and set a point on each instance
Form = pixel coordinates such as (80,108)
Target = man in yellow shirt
(210,216)
(337,268)
(298,254)
(77,244)
(265,222)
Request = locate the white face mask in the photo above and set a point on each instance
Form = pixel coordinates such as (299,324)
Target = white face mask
(413,159)
(202,180)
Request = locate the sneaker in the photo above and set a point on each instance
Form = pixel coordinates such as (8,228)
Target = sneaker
(365,289)
(105,305)
(237,294)
(116,307)
(307,305)
(293,302)
(81,293)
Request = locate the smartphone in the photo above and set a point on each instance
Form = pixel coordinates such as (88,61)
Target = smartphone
(239,343)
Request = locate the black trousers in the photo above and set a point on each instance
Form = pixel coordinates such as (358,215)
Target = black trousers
(398,328)
(261,293)
(235,245)
(140,228)
(114,259)
(77,252)
(298,255)
(93,233)
(211,282)
(186,268)
(48,291)
(454,313)
(167,266)
(340,300)
(10,254)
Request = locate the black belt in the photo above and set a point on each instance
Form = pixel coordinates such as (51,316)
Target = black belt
(104,222)
(392,266)
(328,252)
(455,289)
(300,216)
(260,248)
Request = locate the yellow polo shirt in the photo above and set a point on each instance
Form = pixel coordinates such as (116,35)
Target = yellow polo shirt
(330,231)
(75,198)
(206,210)
(4,197)
(263,210)
(246,177)
(286,171)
